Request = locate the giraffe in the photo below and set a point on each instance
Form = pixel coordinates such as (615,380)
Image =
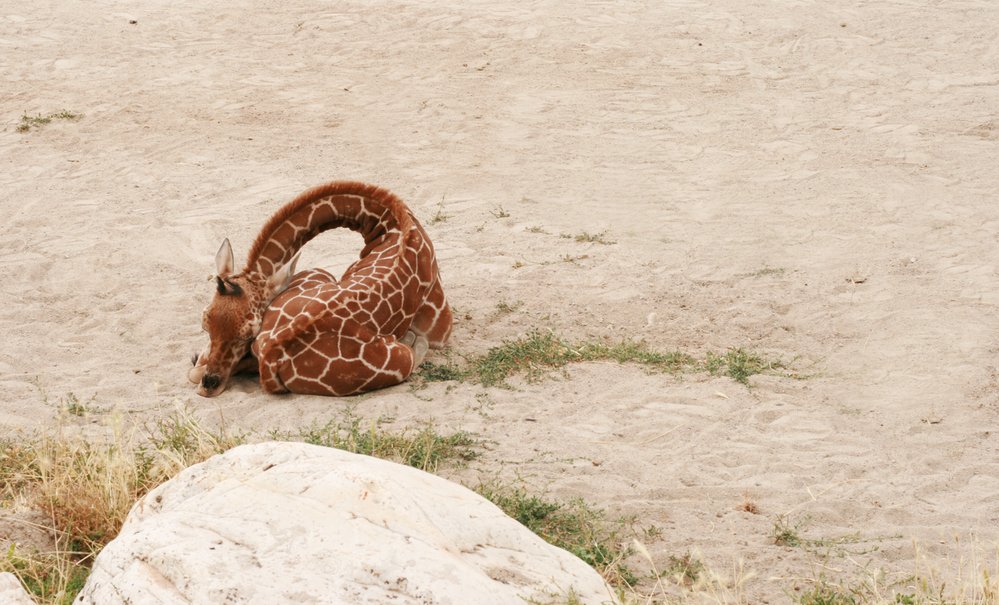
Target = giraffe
(309,332)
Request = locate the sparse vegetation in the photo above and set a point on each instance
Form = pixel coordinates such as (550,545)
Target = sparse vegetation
(503,307)
(538,353)
(593,238)
(574,526)
(430,371)
(822,593)
(72,405)
(86,488)
(685,569)
(499,212)
(37,121)
(748,505)
(786,533)
(424,448)
(440,216)
(571,259)
(766,271)
(739,364)
(49,577)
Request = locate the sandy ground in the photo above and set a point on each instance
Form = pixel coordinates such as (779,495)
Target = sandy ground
(815,181)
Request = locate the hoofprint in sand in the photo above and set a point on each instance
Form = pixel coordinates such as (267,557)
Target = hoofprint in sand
(815,183)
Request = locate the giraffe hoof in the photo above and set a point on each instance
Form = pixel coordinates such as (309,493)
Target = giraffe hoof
(420,347)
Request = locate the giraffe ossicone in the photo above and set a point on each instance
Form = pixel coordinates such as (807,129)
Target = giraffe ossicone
(310,333)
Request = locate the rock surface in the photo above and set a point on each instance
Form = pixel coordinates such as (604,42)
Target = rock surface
(11,591)
(279,523)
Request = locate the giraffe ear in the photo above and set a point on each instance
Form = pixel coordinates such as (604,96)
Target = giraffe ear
(277,282)
(224,262)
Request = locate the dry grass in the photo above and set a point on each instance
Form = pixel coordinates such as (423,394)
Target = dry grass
(972,578)
(85,489)
(748,504)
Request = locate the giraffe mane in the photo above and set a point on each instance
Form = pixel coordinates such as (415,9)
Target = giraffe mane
(373,193)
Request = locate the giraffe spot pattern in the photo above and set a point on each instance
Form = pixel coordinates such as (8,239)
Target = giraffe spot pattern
(340,337)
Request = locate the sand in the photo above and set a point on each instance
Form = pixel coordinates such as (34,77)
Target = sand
(813,181)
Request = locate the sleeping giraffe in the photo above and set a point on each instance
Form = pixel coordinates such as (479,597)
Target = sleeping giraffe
(311,333)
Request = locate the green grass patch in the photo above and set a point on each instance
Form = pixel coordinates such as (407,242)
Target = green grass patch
(574,526)
(48,578)
(685,569)
(739,364)
(787,533)
(826,594)
(424,448)
(538,353)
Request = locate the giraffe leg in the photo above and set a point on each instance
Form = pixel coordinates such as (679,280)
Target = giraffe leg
(272,359)
(332,364)
(248,364)
(434,318)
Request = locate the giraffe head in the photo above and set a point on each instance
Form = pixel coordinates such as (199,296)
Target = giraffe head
(233,319)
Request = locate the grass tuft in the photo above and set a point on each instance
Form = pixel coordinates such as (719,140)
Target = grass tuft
(54,578)
(739,365)
(593,238)
(786,533)
(440,216)
(85,489)
(538,353)
(37,121)
(685,569)
(425,449)
(533,355)
(439,372)
(825,594)
(573,526)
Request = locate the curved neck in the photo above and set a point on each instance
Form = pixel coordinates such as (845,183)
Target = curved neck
(371,211)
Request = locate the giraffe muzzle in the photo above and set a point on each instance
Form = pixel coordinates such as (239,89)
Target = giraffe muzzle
(211,385)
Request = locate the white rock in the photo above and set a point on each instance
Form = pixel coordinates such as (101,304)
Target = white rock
(11,591)
(277,523)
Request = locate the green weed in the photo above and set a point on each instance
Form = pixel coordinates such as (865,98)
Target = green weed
(37,121)
(425,449)
(538,353)
(573,526)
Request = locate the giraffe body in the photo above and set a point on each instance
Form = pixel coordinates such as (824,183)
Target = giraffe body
(311,333)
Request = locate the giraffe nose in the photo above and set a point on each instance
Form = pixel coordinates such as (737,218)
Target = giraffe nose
(211,381)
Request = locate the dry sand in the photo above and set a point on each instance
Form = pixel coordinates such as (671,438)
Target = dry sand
(816,181)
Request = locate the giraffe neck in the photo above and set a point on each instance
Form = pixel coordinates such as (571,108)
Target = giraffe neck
(371,211)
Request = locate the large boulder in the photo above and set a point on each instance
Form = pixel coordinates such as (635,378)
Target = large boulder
(277,523)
